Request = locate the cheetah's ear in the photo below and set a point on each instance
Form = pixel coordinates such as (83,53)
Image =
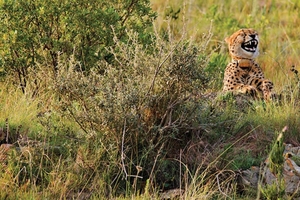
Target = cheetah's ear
(227,40)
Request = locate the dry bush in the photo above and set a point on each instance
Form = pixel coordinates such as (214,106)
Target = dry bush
(144,106)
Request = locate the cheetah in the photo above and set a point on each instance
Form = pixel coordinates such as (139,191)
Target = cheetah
(243,74)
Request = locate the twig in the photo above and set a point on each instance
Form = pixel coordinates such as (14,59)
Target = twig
(77,121)
(123,155)
(158,154)
(219,186)
(7,129)
(168,113)
(129,10)
(180,154)
(122,150)
(158,68)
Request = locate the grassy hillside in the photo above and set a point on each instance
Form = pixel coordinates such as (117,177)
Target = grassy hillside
(276,22)
(135,112)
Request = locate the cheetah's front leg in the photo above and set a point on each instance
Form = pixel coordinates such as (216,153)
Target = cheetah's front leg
(267,89)
(247,89)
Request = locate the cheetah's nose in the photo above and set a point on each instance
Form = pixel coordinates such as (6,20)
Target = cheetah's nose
(252,36)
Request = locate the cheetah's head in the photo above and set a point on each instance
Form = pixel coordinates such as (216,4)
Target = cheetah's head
(243,44)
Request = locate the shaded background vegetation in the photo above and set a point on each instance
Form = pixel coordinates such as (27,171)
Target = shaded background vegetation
(114,100)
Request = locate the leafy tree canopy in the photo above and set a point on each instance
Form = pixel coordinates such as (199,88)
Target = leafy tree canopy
(40,31)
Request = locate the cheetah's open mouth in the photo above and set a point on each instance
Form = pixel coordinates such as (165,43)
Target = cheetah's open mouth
(250,45)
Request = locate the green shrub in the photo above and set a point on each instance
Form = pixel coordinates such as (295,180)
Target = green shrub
(40,31)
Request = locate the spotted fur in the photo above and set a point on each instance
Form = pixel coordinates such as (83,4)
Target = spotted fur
(243,74)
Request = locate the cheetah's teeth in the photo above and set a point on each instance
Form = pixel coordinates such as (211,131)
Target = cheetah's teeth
(250,45)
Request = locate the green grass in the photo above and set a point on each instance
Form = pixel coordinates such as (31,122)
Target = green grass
(278,30)
(150,122)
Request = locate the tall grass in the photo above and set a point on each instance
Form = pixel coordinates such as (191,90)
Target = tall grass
(278,28)
(18,108)
(150,121)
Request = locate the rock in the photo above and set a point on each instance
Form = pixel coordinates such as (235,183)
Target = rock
(250,176)
(171,194)
(291,173)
